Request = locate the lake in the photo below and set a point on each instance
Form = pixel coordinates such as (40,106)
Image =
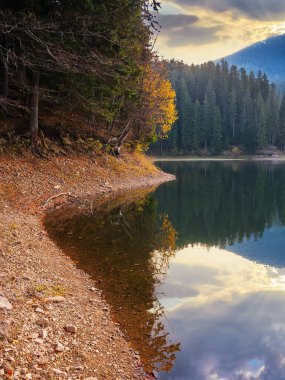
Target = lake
(194,272)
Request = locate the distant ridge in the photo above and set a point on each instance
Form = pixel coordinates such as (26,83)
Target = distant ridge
(267,56)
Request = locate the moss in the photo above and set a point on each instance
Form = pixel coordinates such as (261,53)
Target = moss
(50,290)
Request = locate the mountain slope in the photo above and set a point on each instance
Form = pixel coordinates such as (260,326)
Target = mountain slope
(267,56)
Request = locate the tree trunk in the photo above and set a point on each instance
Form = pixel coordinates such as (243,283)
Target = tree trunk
(5,80)
(22,74)
(122,137)
(34,107)
(5,71)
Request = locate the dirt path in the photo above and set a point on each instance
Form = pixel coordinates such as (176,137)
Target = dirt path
(54,323)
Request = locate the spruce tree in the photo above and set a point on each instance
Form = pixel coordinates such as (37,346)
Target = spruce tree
(209,107)
(281,140)
(195,137)
(216,143)
(261,125)
(233,115)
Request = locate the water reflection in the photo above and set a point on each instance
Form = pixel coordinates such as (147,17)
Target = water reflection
(125,245)
(226,204)
(186,264)
(230,319)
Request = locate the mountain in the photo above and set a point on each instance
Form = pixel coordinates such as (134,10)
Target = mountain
(267,56)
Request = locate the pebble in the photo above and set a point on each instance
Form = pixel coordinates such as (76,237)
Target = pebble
(79,368)
(43,333)
(42,360)
(155,374)
(70,329)
(4,329)
(39,310)
(59,347)
(59,372)
(43,322)
(56,299)
(4,303)
(33,336)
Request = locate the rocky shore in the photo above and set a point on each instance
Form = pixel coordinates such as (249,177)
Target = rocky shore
(54,322)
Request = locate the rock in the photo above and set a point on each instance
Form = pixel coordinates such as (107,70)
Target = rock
(155,374)
(43,322)
(4,303)
(79,368)
(42,360)
(58,347)
(43,333)
(56,299)
(70,329)
(92,289)
(4,330)
(33,336)
(59,372)
(39,310)
(91,378)
(57,187)
(39,341)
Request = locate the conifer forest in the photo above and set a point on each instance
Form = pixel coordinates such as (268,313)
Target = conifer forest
(221,108)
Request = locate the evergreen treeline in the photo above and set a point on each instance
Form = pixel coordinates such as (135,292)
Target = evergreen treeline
(221,107)
(80,69)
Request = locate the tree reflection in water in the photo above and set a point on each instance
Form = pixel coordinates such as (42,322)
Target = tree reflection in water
(126,246)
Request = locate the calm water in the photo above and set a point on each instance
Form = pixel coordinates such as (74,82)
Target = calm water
(194,272)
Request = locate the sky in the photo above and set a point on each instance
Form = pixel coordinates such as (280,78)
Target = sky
(197,31)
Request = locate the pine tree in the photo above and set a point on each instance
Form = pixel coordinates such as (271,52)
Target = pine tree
(281,141)
(248,131)
(233,115)
(249,106)
(209,107)
(195,138)
(261,125)
(216,143)
(187,117)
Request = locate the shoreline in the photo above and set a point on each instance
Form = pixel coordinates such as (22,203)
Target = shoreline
(59,325)
(194,159)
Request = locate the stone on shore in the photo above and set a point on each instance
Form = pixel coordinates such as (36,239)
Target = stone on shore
(4,303)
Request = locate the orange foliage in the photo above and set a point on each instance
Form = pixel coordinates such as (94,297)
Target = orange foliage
(160,100)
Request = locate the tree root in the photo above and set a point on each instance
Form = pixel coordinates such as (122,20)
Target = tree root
(69,195)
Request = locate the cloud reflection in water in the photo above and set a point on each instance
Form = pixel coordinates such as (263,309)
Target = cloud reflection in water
(229,315)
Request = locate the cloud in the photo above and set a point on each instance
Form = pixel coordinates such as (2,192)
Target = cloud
(193,35)
(170,22)
(255,9)
(183,30)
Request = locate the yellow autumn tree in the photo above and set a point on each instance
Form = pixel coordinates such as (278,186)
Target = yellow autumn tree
(159,100)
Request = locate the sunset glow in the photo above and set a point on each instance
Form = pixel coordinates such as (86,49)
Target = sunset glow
(199,31)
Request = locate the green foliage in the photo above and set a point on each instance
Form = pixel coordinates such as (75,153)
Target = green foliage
(91,57)
(216,145)
(220,107)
